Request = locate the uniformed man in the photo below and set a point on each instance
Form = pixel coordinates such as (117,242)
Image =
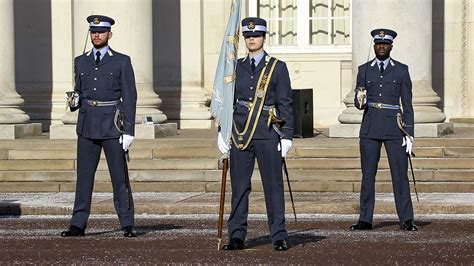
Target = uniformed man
(106,96)
(384,90)
(263,130)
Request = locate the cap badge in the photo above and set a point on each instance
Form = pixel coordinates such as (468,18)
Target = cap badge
(251,25)
(96,21)
(382,33)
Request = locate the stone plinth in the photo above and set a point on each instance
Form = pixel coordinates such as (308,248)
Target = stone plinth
(16,131)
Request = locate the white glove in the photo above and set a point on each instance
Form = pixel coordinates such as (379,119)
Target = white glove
(285,147)
(126,141)
(74,101)
(361,95)
(408,141)
(223,147)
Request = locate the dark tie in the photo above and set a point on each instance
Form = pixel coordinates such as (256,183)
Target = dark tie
(381,68)
(97,59)
(252,65)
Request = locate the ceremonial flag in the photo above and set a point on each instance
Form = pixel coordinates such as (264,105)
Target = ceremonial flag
(222,100)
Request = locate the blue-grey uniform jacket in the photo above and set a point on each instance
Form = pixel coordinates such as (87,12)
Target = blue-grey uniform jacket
(392,87)
(112,79)
(279,94)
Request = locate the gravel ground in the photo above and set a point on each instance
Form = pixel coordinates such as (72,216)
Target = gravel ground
(192,239)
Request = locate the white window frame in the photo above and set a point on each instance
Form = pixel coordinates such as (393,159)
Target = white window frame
(302,39)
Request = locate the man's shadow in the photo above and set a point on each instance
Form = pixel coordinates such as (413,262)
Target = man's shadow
(397,224)
(142,230)
(295,238)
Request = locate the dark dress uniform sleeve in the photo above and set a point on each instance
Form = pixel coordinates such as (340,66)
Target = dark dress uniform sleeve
(129,96)
(284,101)
(406,100)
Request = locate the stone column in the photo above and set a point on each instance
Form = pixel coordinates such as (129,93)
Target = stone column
(62,60)
(193,113)
(412,47)
(14,123)
(183,90)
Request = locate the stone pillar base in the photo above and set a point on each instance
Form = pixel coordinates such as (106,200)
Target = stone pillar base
(141,131)
(430,130)
(16,131)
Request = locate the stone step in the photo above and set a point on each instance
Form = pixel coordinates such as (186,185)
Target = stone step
(197,186)
(172,142)
(349,163)
(210,163)
(51,154)
(203,152)
(462,122)
(193,175)
(209,180)
(136,164)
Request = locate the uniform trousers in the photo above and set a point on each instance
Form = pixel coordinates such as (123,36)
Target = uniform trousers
(241,169)
(88,156)
(398,161)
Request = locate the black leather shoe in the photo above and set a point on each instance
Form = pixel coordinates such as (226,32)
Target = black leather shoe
(280,245)
(234,244)
(129,231)
(73,231)
(409,226)
(360,225)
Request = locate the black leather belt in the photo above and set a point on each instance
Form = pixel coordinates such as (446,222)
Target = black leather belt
(95,103)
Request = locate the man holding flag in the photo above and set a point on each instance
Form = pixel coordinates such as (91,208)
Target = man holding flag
(261,118)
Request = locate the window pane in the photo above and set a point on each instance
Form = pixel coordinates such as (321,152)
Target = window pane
(340,8)
(267,8)
(318,8)
(329,17)
(340,31)
(340,24)
(318,32)
(281,20)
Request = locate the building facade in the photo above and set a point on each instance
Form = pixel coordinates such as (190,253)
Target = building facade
(175,44)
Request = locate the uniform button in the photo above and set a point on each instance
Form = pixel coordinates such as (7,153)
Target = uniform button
(251,77)
(380,85)
(380,94)
(381,77)
(95,78)
(95,89)
(251,88)
(96,68)
(250,99)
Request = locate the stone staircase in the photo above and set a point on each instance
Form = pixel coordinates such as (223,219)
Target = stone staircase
(189,163)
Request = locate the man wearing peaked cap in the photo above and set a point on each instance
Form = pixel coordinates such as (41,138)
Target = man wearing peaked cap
(106,97)
(383,36)
(384,92)
(262,83)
